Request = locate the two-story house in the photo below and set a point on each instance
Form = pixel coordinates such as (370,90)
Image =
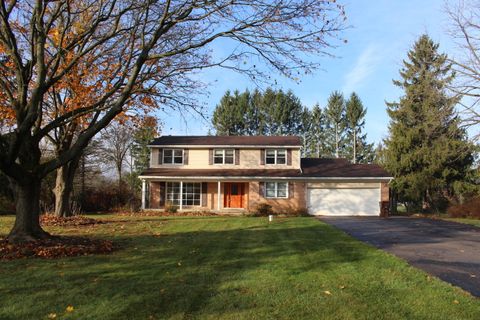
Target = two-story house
(232,173)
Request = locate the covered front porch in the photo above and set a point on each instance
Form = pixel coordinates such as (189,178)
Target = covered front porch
(195,195)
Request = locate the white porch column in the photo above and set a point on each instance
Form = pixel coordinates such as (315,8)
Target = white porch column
(181,195)
(144,192)
(218,195)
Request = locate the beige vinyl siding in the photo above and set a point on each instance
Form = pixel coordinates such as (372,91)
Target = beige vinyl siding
(249,159)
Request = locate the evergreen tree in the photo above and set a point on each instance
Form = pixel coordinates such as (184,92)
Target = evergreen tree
(315,137)
(426,151)
(336,125)
(269,113)
(306,128)
(229,115)
(146,130)
(358,150)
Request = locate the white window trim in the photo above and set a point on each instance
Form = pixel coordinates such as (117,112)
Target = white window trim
(223,156)
(276,189)
(173,157)
(276,156)
(181,186)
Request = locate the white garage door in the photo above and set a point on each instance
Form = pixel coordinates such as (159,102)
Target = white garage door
(344,202)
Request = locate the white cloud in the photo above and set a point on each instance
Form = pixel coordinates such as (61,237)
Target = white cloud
(364,67)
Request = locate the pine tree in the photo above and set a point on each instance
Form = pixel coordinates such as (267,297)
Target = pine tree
(315,137)
(335,115)
(145,131)
(229,115)
(358,150)
(269,113)
(426,151)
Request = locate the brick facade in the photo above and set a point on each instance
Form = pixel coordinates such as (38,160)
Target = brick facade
(295,201)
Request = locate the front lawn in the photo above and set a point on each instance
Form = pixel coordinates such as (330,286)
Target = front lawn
(225,268)
(473,222)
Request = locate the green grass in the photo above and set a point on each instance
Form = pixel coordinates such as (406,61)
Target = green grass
(473,222)
(226,268)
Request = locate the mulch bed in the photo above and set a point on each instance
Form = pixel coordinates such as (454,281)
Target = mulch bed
(56,247)
(168,214)
(74,221)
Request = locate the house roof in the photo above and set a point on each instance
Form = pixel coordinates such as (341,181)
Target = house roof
(325,167)
(174,172)
(228,141)
(311,168)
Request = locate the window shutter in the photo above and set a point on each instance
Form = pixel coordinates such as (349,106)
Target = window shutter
(261,189)
(162,190)
(289,157)
(185,156)
(160,156)
(290,189)
(262,157)
(204,194)
(237,157)
(210,156)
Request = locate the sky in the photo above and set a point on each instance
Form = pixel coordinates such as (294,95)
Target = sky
(380,35)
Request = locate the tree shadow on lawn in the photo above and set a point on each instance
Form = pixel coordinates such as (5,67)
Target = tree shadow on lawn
(184,273)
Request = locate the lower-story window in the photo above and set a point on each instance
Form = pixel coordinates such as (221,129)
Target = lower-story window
(276,189)
(191,193)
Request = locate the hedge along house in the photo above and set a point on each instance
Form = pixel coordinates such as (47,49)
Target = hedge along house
(237,173)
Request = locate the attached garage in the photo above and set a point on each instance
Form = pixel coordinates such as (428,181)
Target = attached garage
(330,199)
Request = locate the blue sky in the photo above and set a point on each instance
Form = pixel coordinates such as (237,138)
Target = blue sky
(382,32)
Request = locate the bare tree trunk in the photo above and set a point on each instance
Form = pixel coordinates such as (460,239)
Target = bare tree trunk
(119,172)
(83,175)
(336,141)
(27,204)
(355,146)
(64,187)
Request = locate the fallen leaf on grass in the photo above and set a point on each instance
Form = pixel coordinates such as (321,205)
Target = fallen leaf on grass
(456,301)
(328,293)
(52,316)
(69,309)
(342,287)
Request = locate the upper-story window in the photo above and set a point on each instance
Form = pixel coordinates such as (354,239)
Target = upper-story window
(173,156)
(223,156)
(275,156)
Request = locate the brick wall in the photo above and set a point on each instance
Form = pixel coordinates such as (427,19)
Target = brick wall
(154,195)
(297,200)
(384,191)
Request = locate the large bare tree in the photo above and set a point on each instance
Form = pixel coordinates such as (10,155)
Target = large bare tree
(138,50)
(116,141)
(465,31)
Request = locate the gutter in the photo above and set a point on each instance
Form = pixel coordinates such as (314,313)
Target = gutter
(265,178)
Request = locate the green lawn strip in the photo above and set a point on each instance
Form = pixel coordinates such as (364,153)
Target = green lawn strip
(225,268)
(473,222)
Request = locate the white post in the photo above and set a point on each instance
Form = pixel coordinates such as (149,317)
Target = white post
(144,191)
(181,195)
(218,195)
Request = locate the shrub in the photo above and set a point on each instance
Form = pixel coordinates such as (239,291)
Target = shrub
(170,207)
(263,210)
(469,209)
(296,212)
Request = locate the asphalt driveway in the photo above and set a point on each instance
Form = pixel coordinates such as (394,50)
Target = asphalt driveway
(448,250)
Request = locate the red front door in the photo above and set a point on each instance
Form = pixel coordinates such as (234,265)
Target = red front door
(233,195)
